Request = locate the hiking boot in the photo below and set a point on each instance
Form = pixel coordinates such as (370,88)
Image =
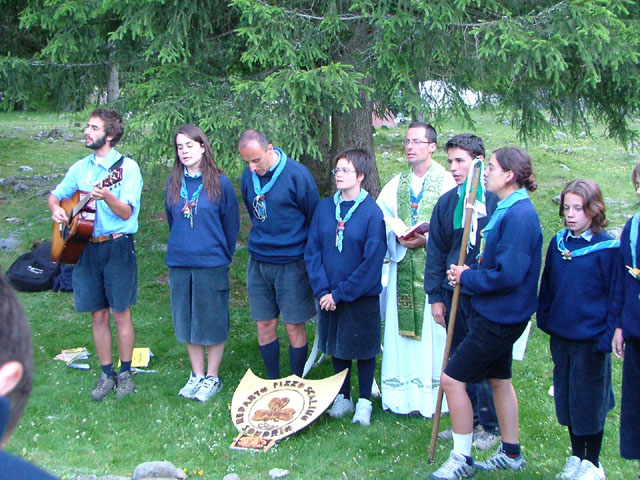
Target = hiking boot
(192,386)
(208,388)
(448,433)
(485,440)
(501,461)
(126,385)
(588,471)
(454,468)
(570,468)
(363,412)
(105,385)
(340,406)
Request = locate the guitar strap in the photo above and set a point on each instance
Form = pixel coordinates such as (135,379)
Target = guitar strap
(117,164)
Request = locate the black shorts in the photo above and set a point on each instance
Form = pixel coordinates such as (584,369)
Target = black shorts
(630,404)
(106,276)
(581,384)
(485,352)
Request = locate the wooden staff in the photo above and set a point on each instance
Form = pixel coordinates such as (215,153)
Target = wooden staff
(454,305)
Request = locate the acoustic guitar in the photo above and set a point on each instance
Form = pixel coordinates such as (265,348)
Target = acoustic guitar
(68,239)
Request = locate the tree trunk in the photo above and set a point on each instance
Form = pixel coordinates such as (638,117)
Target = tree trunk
(113,85)
(355,130)
(321,168)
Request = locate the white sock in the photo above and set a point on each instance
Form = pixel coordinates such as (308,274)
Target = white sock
(462,443)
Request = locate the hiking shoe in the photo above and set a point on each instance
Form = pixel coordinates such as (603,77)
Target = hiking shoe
(105,385)
(454,468)
(363,412)
(501,461)
(340,406)
(208,388)
(485,440)
(448,433)
(126,385)
(192,386)
(570,468)
(588,471)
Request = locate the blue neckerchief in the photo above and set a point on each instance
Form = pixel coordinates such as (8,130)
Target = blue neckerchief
(337,199)
(500,211)
(190,205)
(633,241)
(563,234)
(259,202)
(415,201)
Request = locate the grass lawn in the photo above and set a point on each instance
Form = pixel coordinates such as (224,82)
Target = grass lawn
(65,432)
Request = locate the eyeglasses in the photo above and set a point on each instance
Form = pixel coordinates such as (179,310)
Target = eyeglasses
(416,142)
(336,171)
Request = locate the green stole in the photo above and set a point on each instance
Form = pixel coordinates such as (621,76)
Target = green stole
(410,280)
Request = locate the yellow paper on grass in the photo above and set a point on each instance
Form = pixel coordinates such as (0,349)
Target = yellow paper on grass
(141,357)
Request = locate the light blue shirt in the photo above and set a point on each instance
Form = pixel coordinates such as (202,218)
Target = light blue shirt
(85,173)
(587,235)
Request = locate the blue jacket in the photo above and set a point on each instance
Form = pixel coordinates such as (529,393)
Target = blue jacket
(212,240)
(356,271)
(627,290)
(576,295)
(505,283)
(282,237)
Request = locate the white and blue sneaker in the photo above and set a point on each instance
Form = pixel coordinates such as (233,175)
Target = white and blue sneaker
(455,468)
(192,386)
(208,388)
(501,461)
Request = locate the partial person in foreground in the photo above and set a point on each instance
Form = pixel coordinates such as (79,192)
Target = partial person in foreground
(280,195)
(413,342)
(204,220)
(626,339)
(16,380)
(443,248)
(577,317)
(344,256)
(504,296)
(105,278)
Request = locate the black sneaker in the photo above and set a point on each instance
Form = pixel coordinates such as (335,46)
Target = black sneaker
(105,385)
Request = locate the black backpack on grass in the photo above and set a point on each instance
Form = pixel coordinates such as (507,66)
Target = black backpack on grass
(33,271)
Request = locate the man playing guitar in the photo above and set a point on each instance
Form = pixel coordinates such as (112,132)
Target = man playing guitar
(105,275)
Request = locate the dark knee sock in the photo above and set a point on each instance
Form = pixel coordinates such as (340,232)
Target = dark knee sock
(578,446)
(125,367)
(366,371)
(511,449)
(297,359)
(108,370)
(271,358)
(339,365)
(593,445)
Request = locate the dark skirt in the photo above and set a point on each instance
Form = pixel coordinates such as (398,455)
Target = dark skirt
(581,384)
(352,330)
(630,404)
(200,304)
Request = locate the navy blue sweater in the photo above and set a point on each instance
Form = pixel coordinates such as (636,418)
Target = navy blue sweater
(627,290)
(212,240)
(505,284)
(356,271)
(576,295)
(282,237)
(443,247)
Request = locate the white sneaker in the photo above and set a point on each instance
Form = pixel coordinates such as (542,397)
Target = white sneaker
(454,468)
(191,387)
(570,468)
(340,406)
(363,412)
(448,433)
(501,461)
(208,388)
(588,471)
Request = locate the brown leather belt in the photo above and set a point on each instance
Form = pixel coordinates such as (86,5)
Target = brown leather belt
(106,238)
